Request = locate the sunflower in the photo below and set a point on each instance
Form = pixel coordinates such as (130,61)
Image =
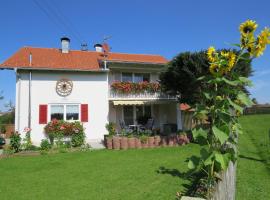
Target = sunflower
(214,68)
(248,27)
(211,54)
(262,40)
(231,60)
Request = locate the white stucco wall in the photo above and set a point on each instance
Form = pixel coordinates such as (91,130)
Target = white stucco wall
(88,88)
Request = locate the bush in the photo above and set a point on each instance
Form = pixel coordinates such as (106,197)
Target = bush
(45,145)
(62,128)
(15,141)
(111,128)
(143,139)
(77,140)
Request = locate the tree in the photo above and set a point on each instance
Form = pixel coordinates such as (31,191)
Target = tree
(180,76)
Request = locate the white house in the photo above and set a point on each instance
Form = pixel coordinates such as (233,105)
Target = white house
(76,85)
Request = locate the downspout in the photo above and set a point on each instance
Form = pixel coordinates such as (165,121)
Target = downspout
(29,92)
(29,99)
(18,99)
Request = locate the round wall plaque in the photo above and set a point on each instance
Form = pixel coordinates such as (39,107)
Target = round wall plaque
(64,87)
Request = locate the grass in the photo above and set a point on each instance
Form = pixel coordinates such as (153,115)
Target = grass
(253,172)
(103,174)
(132,174)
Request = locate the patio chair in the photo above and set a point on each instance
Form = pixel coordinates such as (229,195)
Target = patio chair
(149,125)
(123,126)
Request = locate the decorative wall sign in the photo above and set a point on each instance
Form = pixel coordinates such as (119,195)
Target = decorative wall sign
(64,87)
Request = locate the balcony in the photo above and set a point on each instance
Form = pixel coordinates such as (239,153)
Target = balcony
(138,91)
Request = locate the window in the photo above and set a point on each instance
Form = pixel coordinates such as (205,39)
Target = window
(128,115)
(57,112)
(72,112)
(136,114)
(66,112)
(136,77)
(127,77)
(141,77)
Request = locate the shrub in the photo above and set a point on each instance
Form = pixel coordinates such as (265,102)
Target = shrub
(77,140)
(59,129)
(111,128)
(143,139)
(15,141)
(45,145)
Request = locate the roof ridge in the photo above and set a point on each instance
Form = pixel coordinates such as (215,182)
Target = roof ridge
(93,51)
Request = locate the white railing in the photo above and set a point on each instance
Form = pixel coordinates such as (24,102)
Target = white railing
(141,96)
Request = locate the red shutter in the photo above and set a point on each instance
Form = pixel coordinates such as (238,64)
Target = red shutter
(84,112)
(43,109)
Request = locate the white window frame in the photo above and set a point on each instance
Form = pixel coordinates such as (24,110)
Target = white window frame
(133,75)
(65,110)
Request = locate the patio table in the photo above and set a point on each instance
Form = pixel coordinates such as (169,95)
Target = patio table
(135,127)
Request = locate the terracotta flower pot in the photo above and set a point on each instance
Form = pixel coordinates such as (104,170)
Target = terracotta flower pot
(164,141)
(151,142)
(131,143)
(124,143)
(138,143)
(157,140)
(116,143)
(170,141)
(109,143)
(145,144)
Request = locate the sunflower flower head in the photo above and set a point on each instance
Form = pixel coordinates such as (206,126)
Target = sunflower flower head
(248,27)
(211,54)
(262,41)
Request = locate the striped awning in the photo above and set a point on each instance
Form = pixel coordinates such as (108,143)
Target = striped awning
(128,103)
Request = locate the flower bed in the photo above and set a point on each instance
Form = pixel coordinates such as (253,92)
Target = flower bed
(129,87)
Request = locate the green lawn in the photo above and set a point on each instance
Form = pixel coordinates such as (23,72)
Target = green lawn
(103,174)
(253,173)
(132,174)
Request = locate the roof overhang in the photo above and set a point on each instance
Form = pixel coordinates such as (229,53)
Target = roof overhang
(52,69)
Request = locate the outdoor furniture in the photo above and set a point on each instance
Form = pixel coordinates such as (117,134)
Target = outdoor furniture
(149,125)
(123,126)
(135,127)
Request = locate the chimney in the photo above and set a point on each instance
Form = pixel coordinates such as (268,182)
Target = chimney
(65,41)
(98,47)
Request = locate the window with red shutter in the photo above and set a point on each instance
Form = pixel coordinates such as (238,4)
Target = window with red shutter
(84,112)
(43,109)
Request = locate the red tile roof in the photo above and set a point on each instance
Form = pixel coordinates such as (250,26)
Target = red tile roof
(51,58)
(185,107)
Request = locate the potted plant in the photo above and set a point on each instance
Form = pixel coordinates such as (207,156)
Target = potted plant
(144,141)
(157,140)
(138,143)
(124,142)
(164,140)
(131,141)
(151,141)
(170,140)
(109,138)
(116,142)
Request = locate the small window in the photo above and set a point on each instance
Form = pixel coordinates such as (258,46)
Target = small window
(141,77)
(127,77)
(57,112)
(72,112)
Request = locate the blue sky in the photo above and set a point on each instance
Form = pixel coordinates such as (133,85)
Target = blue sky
(164,27)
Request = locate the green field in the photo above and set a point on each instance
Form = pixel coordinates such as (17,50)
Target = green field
(253,172)
(132,174)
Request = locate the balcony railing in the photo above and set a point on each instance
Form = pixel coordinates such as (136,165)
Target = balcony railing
(141,96)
